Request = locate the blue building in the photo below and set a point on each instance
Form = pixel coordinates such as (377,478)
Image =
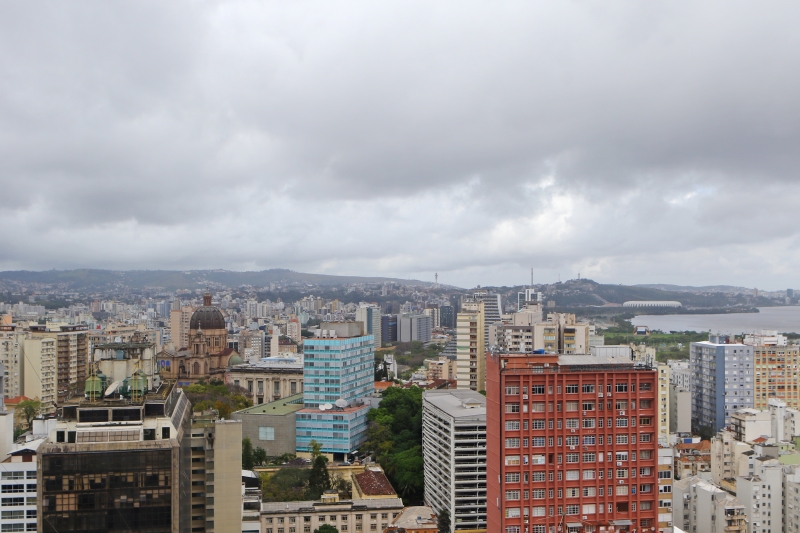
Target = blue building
(722,375)
(339,368)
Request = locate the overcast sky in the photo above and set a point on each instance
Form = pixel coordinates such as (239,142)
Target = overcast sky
(631,143)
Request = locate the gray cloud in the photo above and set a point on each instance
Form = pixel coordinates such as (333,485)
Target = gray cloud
(629,142)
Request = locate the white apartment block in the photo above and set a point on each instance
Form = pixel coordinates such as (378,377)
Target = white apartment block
(680,374)
(791,499)
(18,489)
(761,494)
(454,451)
(700,507)
(725,454)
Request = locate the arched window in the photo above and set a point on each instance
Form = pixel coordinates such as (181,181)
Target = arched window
(196,368)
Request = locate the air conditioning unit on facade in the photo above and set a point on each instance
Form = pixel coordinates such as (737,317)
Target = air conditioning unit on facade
(524,396)
(600,395)
(572,447)
(622,413)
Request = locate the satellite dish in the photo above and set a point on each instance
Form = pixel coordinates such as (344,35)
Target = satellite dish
(341,403)
(328,406)
(112,388)
(322,407)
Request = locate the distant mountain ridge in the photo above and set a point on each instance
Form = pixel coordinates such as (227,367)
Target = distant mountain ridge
(730,289)
(185,279)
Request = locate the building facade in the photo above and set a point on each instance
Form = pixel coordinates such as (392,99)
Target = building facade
(271,426)
(414,327)
(572,440)
(722,381)
(454,452)
(268,380)
(701,507)
(776,377)
(680,409)
(663,404)
(347,516)
(118,465)
(339,365)
(72,358)
(370,316)
(470,346)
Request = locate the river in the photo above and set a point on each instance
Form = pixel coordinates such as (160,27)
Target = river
(783,319)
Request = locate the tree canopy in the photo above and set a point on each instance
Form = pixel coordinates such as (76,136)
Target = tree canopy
(217,395)
(395,436)
(29,409)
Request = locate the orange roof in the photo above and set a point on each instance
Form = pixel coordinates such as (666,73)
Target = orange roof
(374,483)
(759,440)
(15,400)
(383,385)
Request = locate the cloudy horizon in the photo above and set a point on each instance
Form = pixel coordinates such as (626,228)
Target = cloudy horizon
(628,142)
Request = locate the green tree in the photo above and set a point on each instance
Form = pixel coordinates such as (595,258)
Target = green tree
(286,485)
(319,480)
(444,521)
(29,409)
(259,456)
(326,528)
(316,449)
(248,460)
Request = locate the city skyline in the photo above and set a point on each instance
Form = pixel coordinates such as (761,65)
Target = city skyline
(627,143)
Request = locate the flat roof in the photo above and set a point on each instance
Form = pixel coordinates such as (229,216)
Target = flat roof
(284,406)
(311,506)
(452,401)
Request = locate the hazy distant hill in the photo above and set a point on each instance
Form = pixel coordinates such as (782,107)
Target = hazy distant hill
(729,289)
(189,279)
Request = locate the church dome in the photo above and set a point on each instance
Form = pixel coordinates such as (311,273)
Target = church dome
(207,317)
(235,360)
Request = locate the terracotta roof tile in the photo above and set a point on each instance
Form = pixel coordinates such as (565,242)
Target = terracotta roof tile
(374,483)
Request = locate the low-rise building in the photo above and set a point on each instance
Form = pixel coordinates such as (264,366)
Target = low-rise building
(348,516)
(271,426)
(268,380)
(692,459)
(750,424)
(419,519)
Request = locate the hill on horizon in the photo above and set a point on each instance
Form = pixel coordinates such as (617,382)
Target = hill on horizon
(185,279)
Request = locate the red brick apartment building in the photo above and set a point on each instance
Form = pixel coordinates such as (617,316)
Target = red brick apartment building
(571,444)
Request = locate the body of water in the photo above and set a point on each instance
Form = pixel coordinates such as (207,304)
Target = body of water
(783,319)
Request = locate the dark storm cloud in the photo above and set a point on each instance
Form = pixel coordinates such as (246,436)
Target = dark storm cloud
(630,142)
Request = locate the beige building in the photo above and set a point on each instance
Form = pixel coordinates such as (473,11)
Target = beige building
(441,368)
(750,424)
(680,409)
(726,452)
(72,359)
(39,371)
(179,320)
(216,451)
(666,457)
(776,375)
(348,516)
(560,333)
(470,347)
(267,382)
(663,404)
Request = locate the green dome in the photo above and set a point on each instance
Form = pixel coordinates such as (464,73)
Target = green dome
(235,360)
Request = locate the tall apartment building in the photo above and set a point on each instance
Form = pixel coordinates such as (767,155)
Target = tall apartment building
(72,358)
(414,327)
(454,449)
(446,316)
(776,374)
(39,371)
(338,374)
(791,491)
(118,465)
(761,494)
(370,316)
(470,346)
(492,310)
(389,328)
(11,356)
(433,312)
(572,441)
(216,473)
(179,321)
(680,409)
(560,333)
(663,404)
(666,458)
(722,381)
(701,507)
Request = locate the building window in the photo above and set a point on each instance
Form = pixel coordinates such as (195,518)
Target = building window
(512,425)
(512,495)
(512,443)
(266,433)
(512,408)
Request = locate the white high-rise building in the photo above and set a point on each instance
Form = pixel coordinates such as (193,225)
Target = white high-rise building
(370,316)
(680,375)
(701,507)
(454,451)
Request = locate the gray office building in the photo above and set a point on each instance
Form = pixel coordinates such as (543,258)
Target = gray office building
(414,328)
(722,381)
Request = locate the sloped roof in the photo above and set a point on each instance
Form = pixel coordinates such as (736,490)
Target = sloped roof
(374,483)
